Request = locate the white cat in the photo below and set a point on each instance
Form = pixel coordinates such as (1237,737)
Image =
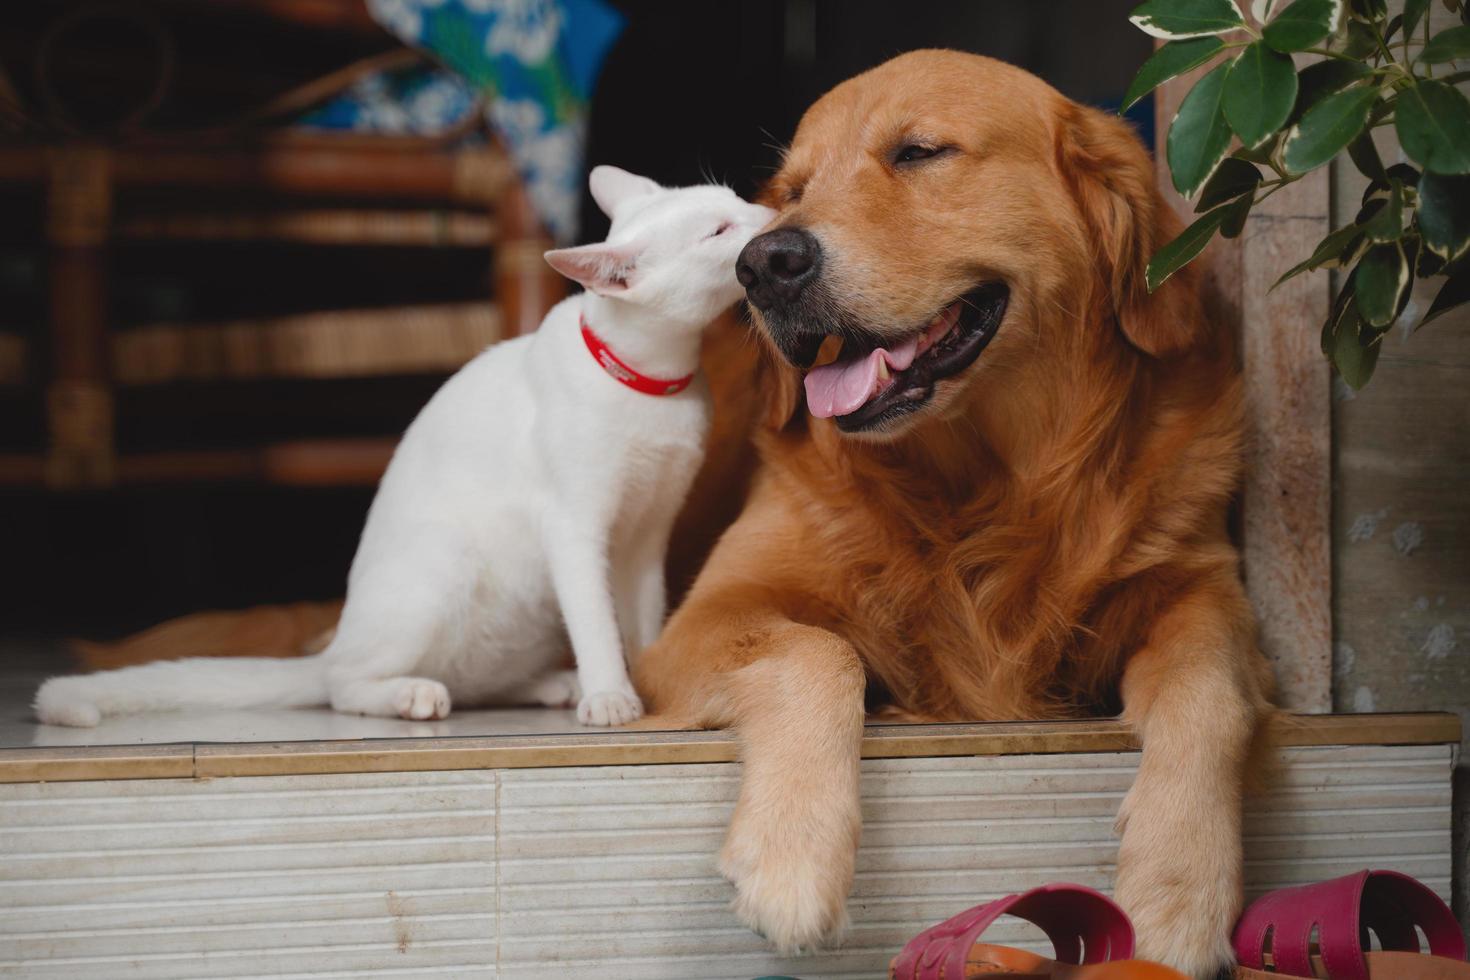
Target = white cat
(530,501)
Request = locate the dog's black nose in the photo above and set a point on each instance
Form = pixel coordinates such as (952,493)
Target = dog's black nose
(775,267)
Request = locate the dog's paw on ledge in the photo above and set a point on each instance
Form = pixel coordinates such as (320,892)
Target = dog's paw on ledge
(794,908)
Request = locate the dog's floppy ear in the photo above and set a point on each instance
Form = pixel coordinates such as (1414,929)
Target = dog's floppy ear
(614,186)
(1112,177)
(602,268)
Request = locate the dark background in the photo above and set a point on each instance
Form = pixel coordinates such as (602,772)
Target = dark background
(693,90)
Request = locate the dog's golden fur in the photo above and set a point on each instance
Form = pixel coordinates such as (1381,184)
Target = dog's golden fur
(1047,538)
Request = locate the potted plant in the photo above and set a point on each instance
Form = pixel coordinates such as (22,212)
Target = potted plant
(1370,70)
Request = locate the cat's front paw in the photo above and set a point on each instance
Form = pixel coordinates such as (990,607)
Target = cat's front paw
(615,707)
(422,700)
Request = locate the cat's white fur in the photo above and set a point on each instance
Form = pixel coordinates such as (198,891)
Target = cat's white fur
(530,501)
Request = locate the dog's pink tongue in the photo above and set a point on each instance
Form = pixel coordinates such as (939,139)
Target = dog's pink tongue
(842,387)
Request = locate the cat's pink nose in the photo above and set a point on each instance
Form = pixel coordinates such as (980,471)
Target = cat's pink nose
(776,266)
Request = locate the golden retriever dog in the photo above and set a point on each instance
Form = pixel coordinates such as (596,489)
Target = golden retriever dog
(1013,505)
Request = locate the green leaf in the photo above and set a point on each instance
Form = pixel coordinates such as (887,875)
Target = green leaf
(1233,216)
(1327,128)
(1261,10)
(1175,19)
(1230,180)
(1405,173)
(1303,24)
(1380,281)
(1353,359)
(1373,200)
(1413,250)
(1370,10)
(1448,45)
(1433,123)
(1333,251)
(1174,58)
(1258,154)
(1358,41)
(1199,134)
(1316,82)
(1365,156)
(1428,264)
(1444,214)
(1178,253)
(1393,26)
(1413,12)
(1387,225)
(1335,315)
(1259,92)
(1454,292)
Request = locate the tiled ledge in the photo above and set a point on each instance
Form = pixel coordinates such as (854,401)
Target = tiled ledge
(208,760)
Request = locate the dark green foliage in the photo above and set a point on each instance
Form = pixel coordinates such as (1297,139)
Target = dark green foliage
(1415,219)
(1199,135)
(1174,58)
(1444,214)
(1302,24)
(1231,179)
(1259,93)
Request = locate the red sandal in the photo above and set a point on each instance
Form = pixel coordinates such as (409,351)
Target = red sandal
(1321,931)
(1091,935)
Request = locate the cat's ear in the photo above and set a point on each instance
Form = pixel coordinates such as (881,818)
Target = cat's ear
(602,268)
(613,186)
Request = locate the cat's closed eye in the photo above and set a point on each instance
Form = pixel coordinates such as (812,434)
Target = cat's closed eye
(724,227)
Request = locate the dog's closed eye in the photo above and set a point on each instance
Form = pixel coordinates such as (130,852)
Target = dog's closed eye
(912,153)
(724,227)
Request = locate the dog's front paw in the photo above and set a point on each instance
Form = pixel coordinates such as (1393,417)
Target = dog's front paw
(615,707)
(63,701)
(790,889)
(1196,950)
(1180,883)
(421,700)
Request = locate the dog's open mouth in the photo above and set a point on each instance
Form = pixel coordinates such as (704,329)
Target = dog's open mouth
(868,385)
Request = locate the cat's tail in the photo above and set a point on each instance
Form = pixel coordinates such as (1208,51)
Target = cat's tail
(201,682)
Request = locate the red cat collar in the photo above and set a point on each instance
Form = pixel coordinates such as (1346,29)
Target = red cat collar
(604,356)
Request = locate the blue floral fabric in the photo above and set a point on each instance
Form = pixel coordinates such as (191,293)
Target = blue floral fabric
(532,63)
(416,101)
